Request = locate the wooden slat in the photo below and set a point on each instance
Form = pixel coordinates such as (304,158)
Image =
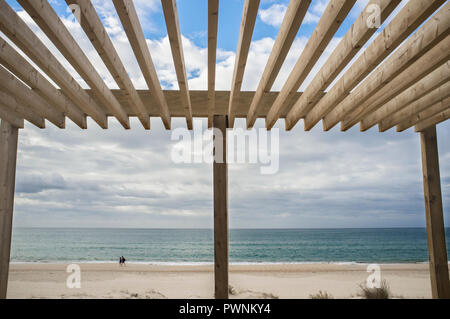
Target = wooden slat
(10,84)
(355,38)
(423,40)
(22,36)
(220,170)
(21,68)
(128,16)
(434,120)
(437,251)
(15,119)
(8,150)
(94,29)
(47,19)
(402,25)
(427,63)
(425,85)
(173,31)
(329,23)
(200,102)
(430,111)
(213,17)
(248,20)
(13,104)
(436,95)
(292,20)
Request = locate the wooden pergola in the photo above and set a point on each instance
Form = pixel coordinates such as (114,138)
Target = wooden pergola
(399,79)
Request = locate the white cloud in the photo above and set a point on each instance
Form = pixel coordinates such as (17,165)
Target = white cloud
(273,15)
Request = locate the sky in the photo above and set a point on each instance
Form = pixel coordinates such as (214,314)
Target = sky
(119,178)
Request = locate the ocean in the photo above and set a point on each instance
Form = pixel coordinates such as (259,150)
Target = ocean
(195,246)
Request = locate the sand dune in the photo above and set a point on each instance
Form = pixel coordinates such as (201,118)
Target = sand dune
(247,281)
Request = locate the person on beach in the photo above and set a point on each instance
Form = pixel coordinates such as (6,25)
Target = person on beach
(120,261)
(123,261)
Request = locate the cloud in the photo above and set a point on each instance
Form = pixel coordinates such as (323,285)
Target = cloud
(273,15)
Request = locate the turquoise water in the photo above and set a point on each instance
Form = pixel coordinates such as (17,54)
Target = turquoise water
(196,245)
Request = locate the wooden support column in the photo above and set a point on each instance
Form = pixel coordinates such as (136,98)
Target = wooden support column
(437,250)
(8,155)
(220,124)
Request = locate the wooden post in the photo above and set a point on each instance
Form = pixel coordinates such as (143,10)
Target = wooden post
(220,123)
(437,250)
(8,155)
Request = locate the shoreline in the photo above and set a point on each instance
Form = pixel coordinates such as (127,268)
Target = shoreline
(109,280)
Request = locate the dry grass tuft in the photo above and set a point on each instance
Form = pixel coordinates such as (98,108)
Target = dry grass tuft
(321,295)
(375,293)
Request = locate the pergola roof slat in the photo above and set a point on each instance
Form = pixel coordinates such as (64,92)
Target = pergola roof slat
(21,68)
(436,119)
(353,41)
(428,35)
(249,14)
(10,84)
(174,33)
(329,23)
(399,79)
(11,116)
(427,63)
(128,16)
(292,20)
(22,36)
(25,112)
(402,25)
(434,96)
(425,114)
(213,17)
(94,29)
(47,19)
(416,91)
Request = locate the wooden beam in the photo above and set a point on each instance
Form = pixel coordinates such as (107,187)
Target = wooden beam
(213,17)
(416,91)
(47,19)
(424,115)
(174,33)
(10,84)
(220,207)
(21,68)
(427,63)
(128,16)
(95,31)
(402,25)
(22,36)
(327,26)
(14,118)
(434,120)
(14,105)
(440,284)
(292,20)
(355,38)
(439,94)
(200,102)
(8,157)
(249,14)
(415,47)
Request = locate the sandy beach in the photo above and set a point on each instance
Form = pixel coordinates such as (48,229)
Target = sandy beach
(247,281)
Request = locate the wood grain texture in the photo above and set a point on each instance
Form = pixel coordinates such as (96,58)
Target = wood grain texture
(8,157)
(220,181)
(23,37)
(440,284)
